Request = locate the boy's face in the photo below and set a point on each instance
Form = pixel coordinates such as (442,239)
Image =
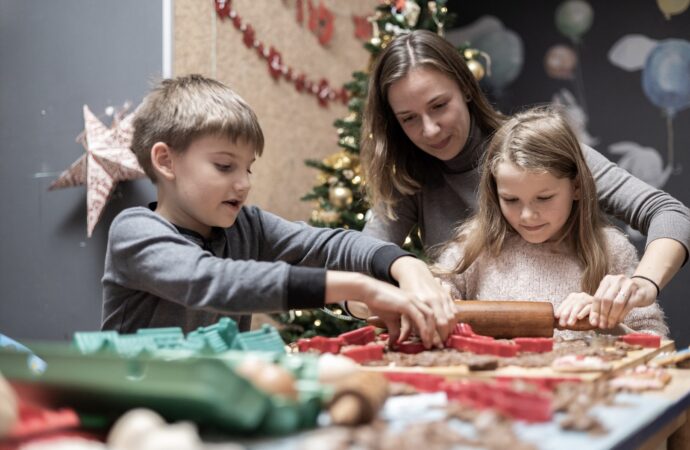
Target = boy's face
(211,183)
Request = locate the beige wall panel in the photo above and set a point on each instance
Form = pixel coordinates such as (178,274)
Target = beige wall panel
(295,126)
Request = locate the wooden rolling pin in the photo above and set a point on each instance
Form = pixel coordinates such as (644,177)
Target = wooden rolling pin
(507,319)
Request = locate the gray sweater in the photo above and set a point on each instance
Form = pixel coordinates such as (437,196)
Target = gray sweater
(159,275)
(451,197)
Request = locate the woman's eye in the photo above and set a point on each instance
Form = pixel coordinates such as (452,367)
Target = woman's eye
(509,200)
(407,119)
(543,199)
(440,105)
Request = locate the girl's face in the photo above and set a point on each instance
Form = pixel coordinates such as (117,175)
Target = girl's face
(431,111)
(536,204)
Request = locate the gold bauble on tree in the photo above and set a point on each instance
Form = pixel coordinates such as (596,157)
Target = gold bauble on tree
(340,196)
(476,68)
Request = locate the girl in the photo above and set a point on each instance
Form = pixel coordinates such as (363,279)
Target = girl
(427,123)
(538,232)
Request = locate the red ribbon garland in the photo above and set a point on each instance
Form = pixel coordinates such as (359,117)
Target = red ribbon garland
(322,90)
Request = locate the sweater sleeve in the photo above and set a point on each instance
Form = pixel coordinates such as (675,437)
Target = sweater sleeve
(651,211)
(624,260)
(147,254)
(337,249)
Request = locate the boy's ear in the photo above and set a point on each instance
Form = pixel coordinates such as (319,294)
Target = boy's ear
(162,160)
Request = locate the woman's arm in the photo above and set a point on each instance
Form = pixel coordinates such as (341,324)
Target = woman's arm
(664,220)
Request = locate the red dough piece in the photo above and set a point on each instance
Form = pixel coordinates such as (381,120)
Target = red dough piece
(364,353)
(321,344)
(423,382)
(36,420)
(534,345)
(642,339)
(409,347)
(483,346)
(528,406)
(360,336)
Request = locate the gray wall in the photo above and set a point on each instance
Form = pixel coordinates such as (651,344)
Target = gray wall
(56,56)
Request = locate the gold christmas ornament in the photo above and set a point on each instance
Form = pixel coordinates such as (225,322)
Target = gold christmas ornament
(476,68)
(328,216)
(340,196)
(344,162)
(348,174)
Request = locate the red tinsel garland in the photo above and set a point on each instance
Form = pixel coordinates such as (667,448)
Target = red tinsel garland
(276,67)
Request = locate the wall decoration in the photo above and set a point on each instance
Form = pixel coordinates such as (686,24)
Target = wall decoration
(672,7)
(665,77)
(321,89)
(504,46)
(560,62)
(574,18)
(107,161)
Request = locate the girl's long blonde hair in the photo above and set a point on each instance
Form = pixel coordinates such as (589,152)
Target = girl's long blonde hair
(392,164)
(537,140)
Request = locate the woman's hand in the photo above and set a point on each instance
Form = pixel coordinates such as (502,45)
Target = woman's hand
(414,277)
(576,306)
(616,296)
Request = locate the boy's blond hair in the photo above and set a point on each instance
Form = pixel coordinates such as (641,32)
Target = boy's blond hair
(182,109)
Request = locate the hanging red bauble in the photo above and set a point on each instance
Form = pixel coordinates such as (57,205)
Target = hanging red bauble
(362,27)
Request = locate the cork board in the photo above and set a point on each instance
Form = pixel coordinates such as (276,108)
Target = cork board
(294,125)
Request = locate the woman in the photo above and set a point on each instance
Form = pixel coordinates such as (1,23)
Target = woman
(427,123)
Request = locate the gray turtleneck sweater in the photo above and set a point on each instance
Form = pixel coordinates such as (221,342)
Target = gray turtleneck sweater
(451,198)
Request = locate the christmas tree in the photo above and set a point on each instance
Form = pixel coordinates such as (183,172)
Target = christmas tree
(339,196)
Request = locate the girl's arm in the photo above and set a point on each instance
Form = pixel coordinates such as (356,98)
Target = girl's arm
(664,220)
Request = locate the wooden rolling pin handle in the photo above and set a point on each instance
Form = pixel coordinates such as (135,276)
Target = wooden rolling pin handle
(507,319)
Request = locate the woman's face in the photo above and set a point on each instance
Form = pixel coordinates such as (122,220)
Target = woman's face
(431,111)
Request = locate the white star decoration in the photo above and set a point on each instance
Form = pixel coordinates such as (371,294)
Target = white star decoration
(107,161)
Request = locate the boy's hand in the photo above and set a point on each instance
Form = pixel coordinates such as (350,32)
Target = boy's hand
(384,300)
(576,306)
(616,296)
(392,305)
(414,277)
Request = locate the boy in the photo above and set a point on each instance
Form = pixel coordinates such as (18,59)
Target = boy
(198,253)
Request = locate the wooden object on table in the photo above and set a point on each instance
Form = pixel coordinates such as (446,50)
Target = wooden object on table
(508,319)
(358,399)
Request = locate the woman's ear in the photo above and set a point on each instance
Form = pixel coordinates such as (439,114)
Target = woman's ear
(576,189)
(162,160)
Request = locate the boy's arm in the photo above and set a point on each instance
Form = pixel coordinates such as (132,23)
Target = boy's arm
(146,253)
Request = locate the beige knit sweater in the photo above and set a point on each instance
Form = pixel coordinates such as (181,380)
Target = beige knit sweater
(547,271)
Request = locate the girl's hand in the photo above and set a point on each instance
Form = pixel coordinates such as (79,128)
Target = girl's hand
(576,306)
(616,296)
(414,277)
